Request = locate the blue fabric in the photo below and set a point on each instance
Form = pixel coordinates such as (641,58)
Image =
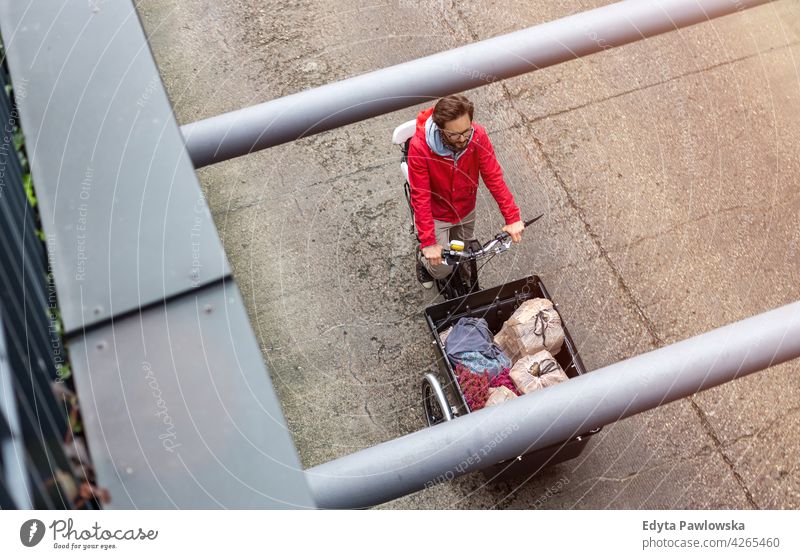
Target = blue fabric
(476,362)
(471,344)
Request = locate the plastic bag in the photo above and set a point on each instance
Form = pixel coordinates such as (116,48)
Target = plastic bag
(443,335)
(534,326)
(499,395)
(533,372)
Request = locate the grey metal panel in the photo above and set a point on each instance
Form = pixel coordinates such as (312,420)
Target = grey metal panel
(115,185)
(180,412)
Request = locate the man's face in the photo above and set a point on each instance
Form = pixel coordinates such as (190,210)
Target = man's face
(456,133)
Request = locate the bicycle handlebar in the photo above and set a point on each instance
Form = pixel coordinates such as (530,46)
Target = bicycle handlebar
(503,240)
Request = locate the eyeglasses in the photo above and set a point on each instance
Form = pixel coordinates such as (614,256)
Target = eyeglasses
(457,135)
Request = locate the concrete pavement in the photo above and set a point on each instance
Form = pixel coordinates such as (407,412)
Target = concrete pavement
(667,170)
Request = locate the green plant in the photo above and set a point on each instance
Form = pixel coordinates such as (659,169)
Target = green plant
(28,184)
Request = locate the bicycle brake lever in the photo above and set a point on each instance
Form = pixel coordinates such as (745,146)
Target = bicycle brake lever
(535,219)
(505,235)
(449,257)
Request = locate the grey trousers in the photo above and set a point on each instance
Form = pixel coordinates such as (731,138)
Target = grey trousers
(445,232)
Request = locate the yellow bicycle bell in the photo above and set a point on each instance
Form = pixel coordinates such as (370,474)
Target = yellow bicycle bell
(455,244)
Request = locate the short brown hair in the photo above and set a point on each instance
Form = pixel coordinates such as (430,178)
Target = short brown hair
(450,108)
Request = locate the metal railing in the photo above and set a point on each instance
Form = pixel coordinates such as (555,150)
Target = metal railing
(34,469)
(330,106)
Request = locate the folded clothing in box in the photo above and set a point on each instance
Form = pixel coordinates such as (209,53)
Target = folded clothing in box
(470,344)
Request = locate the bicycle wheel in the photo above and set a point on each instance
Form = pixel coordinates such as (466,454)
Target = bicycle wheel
(434,402)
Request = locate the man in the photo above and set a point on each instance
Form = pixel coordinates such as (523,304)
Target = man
(445,157)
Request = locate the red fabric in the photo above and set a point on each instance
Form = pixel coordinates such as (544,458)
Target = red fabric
(446,191)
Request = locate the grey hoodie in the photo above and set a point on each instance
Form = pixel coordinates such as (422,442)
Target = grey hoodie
(433,136)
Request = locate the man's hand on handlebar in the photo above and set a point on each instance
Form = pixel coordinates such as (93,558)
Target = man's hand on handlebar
(515,230)
(433,254)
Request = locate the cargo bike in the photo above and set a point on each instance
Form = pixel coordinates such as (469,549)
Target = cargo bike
(442,398)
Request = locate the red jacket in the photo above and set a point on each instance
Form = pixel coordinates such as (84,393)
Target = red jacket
(446,190)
